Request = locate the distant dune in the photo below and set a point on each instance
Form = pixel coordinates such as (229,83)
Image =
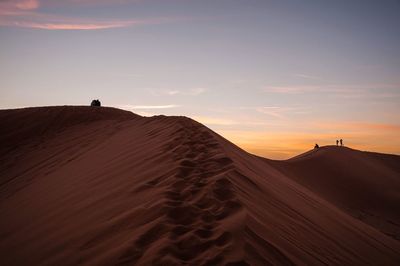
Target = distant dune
(102,186)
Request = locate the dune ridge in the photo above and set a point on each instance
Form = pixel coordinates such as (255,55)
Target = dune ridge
(366,185)
(102,186)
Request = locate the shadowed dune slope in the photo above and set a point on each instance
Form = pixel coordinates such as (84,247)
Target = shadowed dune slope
(21,125)
(364,184)
(101,186)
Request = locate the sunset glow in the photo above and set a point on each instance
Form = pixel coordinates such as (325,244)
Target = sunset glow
(274,77)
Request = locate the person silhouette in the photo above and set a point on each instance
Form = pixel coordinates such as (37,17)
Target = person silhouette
(337,142)
(341,142)
(316,146)
(96,103)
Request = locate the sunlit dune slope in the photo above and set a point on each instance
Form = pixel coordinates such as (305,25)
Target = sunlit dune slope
(101,186)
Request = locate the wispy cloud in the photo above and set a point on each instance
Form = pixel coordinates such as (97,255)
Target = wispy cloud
(172,92)
(290,89)
(239,120)
(196,91)
(148,107)
(12,6)
(304,76)
(357,127)
(27,14)
(61,23)
(27,4)
(274,111)
(71,26)
(215,121)
(147,110)
(348,91)
(89,2)
(34,4)
(192,92)
(280,112)
(126,75)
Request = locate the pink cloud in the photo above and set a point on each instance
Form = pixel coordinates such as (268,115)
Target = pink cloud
(27,4)
(63,26)
(26,14)
(52,23)
(9,7)
(85,3)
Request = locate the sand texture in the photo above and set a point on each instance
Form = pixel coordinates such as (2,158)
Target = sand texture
(102,186)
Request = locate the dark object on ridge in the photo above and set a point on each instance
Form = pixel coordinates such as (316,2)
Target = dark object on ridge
(341,142)
(337,142)
(316,146)
(95,103)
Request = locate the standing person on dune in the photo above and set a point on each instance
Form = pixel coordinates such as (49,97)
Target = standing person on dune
(337,142)
(341,142)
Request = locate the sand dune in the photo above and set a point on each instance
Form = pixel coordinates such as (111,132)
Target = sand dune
(101,186)
(363,184)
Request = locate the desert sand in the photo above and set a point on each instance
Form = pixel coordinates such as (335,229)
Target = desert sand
(102,186)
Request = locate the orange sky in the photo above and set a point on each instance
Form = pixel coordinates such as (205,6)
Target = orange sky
(274,77)
(283,145)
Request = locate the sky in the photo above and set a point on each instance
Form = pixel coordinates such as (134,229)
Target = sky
(272,76)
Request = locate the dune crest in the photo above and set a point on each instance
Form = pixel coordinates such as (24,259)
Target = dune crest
(102,186)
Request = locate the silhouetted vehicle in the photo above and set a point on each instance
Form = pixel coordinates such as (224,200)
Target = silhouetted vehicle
(95,103)
(316,146)
(341,142)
